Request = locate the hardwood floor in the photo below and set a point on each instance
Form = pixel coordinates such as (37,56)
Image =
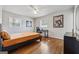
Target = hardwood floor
(46,46)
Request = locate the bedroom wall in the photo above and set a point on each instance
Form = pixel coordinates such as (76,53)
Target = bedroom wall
(0,14)
(0,18)
(22,19)
(77,18)
(77,22)
(57,32)
(0,25)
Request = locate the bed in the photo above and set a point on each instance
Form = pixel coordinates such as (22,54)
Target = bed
(19,39)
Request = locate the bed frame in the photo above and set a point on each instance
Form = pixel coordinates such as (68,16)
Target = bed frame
(19,40)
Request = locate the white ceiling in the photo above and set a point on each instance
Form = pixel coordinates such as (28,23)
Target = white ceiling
(28,11)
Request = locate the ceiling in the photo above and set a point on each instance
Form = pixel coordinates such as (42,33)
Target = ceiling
(26,10)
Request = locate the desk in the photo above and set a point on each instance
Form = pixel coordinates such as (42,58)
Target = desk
(45,33)
(42,31)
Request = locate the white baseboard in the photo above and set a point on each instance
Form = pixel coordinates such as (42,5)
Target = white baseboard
(3,52)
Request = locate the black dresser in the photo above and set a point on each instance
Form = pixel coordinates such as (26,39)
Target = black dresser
(71,44)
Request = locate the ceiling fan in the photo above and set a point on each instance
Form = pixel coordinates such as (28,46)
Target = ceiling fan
(35,9)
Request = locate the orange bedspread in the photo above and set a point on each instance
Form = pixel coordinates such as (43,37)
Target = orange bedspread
(19,38)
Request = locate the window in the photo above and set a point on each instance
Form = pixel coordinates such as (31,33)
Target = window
(43,24)
(13,22)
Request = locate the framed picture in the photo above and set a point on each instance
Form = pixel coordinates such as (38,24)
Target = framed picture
(28,23)
(58,21)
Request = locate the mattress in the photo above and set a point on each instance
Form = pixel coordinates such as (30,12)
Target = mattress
(19,38)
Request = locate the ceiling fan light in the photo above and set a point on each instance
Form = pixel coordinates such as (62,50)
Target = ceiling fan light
(35,12)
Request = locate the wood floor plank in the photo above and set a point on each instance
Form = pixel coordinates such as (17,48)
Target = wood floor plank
(46,46)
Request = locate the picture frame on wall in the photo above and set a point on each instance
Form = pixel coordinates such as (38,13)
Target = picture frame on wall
(28,23)
(58,21)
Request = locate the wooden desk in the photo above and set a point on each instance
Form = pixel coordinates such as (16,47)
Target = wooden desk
(45,33)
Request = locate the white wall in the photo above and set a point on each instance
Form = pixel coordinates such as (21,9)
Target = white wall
(77,18)
(0,14)
(77,22)
(57,32)
(0,18)
(22,19)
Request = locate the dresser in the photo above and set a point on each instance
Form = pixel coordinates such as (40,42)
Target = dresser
(71,44)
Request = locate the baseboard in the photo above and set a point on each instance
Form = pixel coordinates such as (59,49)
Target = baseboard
(3,52)
(55,38)
(52,38)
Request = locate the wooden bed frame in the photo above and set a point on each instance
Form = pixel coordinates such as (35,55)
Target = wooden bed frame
(20,39)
